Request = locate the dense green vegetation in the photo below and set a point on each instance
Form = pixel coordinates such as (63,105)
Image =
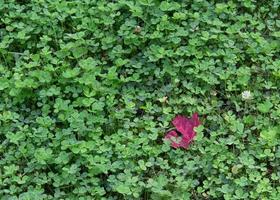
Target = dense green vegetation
(88,90)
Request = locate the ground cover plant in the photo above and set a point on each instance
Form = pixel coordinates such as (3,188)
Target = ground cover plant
(88,90)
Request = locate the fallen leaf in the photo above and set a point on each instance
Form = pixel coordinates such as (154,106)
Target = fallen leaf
(184,133)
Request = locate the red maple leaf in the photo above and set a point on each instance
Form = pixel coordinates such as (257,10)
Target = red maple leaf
(185,126)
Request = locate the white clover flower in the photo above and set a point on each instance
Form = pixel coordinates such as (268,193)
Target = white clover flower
(246,95)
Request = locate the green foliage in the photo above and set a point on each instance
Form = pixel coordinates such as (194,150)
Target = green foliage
(89,87)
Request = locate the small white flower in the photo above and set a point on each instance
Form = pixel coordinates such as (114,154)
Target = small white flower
(246,95)
(137,29)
